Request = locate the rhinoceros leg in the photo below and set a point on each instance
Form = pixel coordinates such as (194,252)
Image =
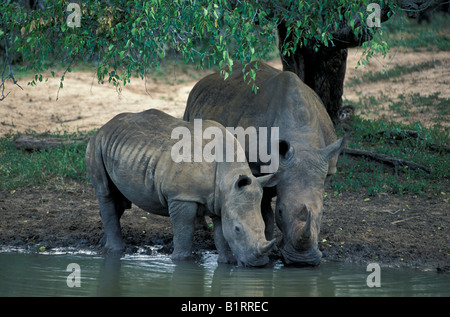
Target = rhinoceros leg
(183,215)
(112,207)
(225,253)
(111,224)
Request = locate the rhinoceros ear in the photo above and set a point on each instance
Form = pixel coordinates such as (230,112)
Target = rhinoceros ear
(270,180)
(242,181)
(335,148)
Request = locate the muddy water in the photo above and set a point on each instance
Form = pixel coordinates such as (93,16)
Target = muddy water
(47,274)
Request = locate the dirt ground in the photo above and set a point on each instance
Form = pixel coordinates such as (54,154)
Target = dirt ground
(403,231)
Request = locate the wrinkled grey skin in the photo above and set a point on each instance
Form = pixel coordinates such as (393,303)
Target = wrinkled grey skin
(129,161)
(307,145)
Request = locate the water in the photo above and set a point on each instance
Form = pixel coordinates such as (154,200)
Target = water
(46,274)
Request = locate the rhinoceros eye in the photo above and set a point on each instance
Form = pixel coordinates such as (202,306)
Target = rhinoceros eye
(280,211)
(237,229)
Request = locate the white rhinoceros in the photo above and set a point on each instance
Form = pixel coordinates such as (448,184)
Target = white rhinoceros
(308,147)
(130,160)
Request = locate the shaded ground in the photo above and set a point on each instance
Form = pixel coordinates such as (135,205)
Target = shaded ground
(401,231)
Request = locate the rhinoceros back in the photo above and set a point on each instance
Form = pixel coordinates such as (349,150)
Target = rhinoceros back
(283,101)
(135,152)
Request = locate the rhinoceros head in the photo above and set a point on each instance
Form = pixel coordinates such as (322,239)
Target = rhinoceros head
(299,205)
(242,222)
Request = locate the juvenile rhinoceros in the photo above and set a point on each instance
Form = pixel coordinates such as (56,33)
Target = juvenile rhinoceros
(130,160)
(308,147)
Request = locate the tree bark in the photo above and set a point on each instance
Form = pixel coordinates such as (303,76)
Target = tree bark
(323,71)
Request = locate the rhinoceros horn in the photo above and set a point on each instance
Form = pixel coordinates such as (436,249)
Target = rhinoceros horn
(266,248)
(306,232)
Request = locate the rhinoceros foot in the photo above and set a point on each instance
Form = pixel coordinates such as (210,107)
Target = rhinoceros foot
(181,256)
(111,248)
(114,251)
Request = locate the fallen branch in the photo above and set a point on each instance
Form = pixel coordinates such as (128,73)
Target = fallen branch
(57,120)
(386,159)
(406,219)
(44,140)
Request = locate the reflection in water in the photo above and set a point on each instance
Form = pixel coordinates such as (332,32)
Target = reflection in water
(46,275)
(109,277)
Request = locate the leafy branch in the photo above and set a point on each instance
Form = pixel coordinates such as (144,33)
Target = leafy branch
(128,38)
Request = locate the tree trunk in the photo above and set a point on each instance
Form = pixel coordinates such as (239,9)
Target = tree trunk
(323,71)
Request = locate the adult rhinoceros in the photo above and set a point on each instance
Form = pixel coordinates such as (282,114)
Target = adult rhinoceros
(131,160)
(307,146)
